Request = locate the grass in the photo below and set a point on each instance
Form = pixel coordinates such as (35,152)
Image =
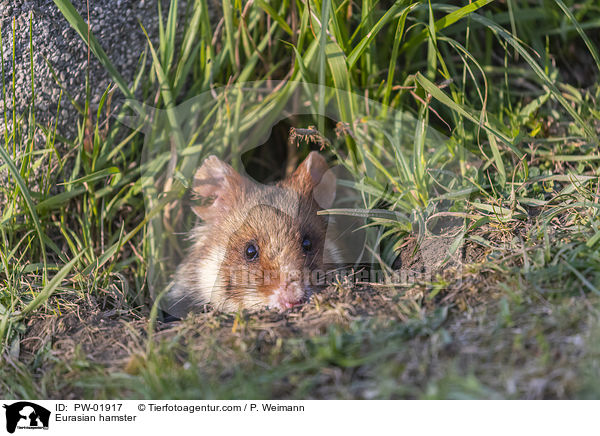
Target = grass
(473,128)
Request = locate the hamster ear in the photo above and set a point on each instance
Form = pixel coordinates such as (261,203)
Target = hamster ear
(313,175)
(217,180)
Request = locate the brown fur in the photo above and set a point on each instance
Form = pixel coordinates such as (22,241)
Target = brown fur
(274,218)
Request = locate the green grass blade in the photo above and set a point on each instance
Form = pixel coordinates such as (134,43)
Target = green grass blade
(29,201)
(431,46)
(50,287)
(95,176)
(323,60)
(274,15)
(394,57)
(170,35)
(229,46)
(364,43)
(540,73)
(80,26)
(497,158)
(444,22)
(589,44)
(443,98)
(190,47)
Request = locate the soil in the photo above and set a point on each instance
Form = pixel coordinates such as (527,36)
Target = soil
(114,336)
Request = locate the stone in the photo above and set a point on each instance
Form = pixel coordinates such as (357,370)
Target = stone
(114,23)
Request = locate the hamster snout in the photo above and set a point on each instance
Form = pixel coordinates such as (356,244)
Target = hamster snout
(258,245)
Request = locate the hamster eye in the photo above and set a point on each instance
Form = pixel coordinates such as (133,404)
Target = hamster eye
(251,251)
(306,244)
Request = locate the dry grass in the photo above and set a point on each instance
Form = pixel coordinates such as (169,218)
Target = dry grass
(459,336)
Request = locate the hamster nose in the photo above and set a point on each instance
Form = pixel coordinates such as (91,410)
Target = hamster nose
(289,294)
(290,305)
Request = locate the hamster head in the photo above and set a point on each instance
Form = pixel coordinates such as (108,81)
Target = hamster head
(259,245)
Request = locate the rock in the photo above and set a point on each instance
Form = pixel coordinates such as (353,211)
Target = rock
(114,23)
(57,47)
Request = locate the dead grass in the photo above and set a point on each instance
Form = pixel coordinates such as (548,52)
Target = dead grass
(468,339)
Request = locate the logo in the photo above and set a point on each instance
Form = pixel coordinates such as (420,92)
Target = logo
(26,415)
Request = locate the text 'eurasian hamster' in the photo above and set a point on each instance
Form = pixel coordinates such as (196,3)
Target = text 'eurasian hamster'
(258,245)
